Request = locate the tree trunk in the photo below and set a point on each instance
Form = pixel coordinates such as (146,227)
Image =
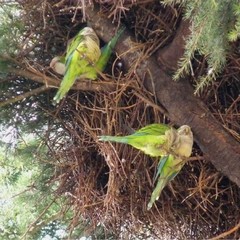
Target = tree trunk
(177,97)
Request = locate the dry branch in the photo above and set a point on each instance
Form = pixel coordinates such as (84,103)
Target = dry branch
(227,233)
(53,82)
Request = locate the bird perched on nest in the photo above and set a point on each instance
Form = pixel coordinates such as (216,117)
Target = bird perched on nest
(84,59)
(174,146)
(171,164)
(154,139)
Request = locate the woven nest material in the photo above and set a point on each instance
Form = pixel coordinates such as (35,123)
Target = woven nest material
(110,184)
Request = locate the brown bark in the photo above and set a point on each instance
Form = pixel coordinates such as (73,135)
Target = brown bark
(177,97)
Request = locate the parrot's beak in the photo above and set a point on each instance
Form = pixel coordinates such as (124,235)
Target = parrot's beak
(187,130)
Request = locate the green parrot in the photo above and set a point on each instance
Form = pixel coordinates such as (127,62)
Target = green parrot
(82,54)
(83,60)
(171,164)
(173,146)
(154,139)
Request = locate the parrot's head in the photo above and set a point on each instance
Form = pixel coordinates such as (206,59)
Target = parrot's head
(57,65)
(89,32)
(185,130)
(185,144)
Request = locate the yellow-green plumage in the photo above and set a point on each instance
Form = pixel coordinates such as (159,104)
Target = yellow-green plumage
(153,139)
(82,54)
(107,50)
(171,164)
(83,60)
(169,167)
(174,146)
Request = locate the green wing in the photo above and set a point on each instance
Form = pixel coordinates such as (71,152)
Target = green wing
(150,139)
(73,43)
(82,53)
(169,166)
(84,59)
(160,166)
(108,50)
(161,181)
(153,129)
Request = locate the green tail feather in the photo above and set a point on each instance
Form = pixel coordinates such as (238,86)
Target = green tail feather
(64,87)
(59,95)
(161,164)
(113,139)
(156,193)
(114,40)
(107,51)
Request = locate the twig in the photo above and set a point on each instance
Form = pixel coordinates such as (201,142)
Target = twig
(23,96)
(158,107)
(222,235)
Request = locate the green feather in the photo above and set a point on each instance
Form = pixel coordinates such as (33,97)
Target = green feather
(114,139)
(169,166)
(82,53)
(153,129)
(84,59)
(161,163)
(107,51)
(150,139)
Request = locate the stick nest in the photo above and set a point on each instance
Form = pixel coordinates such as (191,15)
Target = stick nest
(110,184)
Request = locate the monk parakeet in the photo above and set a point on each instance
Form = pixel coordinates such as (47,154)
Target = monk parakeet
(154,139)
(174,146)
(82,54)
(83,60)
(171,164)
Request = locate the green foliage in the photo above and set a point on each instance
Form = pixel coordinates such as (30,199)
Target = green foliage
(234,33)
(11,28)
(14,40)
(22,197)
(3,67)
(29,206)
(213,24)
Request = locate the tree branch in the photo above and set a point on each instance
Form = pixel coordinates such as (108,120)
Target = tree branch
(22,96)
(50,82)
